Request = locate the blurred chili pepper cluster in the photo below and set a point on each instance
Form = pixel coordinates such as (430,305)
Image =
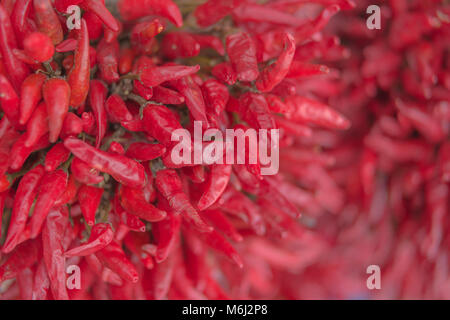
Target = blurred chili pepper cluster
(92,206)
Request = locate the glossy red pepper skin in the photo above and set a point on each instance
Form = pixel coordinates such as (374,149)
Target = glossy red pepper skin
(89,198)
(134,201)
(25,195)
(53,251)
(51,187)
(72,126)
(43,42)
(37,126)
(24,256)
(142,90)
(19,19)
(20,153)
(121,168)
(154,76)
(116,109)
(56,93)
(134,9)
(101,236)
(169,185)
(113,257)
(9,101)
(31,93)
(276,72)
(84,173)
(217,182)
(17,70)
(242,53)
(97,97)
(56,156)
(142,34)
(78,77)
(99,9)
(48,21)
(131,221)
(145,151)
(255,111)
(166,96)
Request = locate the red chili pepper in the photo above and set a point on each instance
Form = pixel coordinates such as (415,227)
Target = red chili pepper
(157,281)
(2,207)
(101,236)
(69,195)
(169,184)
(88,122)
(116,147)
(126,58)
(89,198)
(53,251)
(133,201)
(212,11)
(255,111)
(67,45)
(154,76)
(142,34)
(301,69)
(208,41)
(108,60)
(113,257)
(117,109)
(36,126)
(41,284)
(121,168)
(136,242)
(160,122)
(225,73)
(79,74)
(142,90)
(43,42)
(23,200)
(221,223)
(252,12)
(166,96)
(97,97)
(72,126)
(216,96)
(9,101)
(197,174)
(217,182)
(276,72)
(242,53)
(179,45)
(31,93)
(193,97)
(51,187)
(131,221)
(84,173)
(56,93)
(19,19)
(24,256)
(19,153)
(47,20)
(134,9)
(17,70)
(145,151)
(307,110)
(98,7)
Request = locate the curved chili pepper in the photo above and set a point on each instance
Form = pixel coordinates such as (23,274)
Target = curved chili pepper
(51,187)
(145,151)
(47,20)
(78,77)
(217,182)
(97,97)
(255,111)
(212,11)
(108,60)
(31,94)
(17,70)
(121,168)
(242,53)
(56,93)
(19,19)
(216,96)
(166,96)
(133,201)
(24,256)
(225,73)
(193,97)
(69,195)
(142,90)
(9,101)
(153,76)
(84,173)
(67,45)
(221,223)
(136,242)
(117,109)
(101,236)
(169,184)
(23,200)
(131,221)
(307,110)
(19,153)
(36,126)
(98,7)
(89,199)
(113,257)
(134,9)
(160,122)
(275,73)
(53,251)
(72,126)
(179,45)
(157,281)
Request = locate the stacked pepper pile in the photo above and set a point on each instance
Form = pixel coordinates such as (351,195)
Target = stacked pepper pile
(88,186)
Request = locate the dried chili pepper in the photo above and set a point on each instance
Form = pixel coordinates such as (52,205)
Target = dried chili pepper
(31,93)
(56,93)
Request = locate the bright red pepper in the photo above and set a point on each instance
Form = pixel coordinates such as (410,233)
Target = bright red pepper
(43,42)
(166,96)
(134,9)
(37,126)
(154,76)
(133,200)
(179,45)
(145,151)
(25,255)
(242,53)
(9,101)
(31,94)
(98,7)
(108,60)
(56,93)
(117,109)
(84,173)
(89,198)
(101,236)
(47,20)
(97,97)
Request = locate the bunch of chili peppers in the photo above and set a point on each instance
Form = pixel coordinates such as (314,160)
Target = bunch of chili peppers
(88,186)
